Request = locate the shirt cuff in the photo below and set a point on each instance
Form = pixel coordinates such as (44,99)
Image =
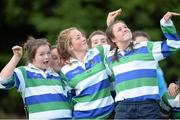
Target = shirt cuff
(166,23)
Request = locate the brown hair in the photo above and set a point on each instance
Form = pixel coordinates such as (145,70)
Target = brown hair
(63,43)
(97,32)
(53,47)
(31,46)
(140,33)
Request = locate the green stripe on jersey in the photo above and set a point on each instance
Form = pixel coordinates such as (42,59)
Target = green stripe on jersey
(135,83)
(98,95)
(40,82)
(80,77)
(168,29)
(48,106)
(166,97)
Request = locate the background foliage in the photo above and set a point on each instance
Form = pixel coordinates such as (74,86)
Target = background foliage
(46,18)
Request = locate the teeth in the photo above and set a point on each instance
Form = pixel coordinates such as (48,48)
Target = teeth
(45,62)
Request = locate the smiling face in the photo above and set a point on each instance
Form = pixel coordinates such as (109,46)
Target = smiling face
(78,41)
(42,57)
(121,33)
(99,40)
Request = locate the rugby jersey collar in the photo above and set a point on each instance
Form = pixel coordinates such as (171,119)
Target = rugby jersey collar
(124,52)
(89,51)
(32,66)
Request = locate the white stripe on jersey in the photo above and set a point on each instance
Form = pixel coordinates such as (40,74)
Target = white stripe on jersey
(84,106)
(137,92)
(53,114)
(134,65)
(40,90)
(91,80)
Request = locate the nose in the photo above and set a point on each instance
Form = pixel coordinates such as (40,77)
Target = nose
(47,56)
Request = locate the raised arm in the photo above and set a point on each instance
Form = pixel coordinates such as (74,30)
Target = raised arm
(164,49)
(168,27)
(7,71)
(168,15)
(112,16)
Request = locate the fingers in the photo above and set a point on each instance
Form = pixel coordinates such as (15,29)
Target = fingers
(117,12)
(172,93)
(16,48)
(17,51)
(173,90)
(168,15)
(112,15)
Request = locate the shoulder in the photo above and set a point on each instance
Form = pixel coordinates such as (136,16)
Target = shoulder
(20,68)
(68,67)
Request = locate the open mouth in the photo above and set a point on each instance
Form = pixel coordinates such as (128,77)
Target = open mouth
(46,63)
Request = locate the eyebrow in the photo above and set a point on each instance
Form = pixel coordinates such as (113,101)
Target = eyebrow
(94,40)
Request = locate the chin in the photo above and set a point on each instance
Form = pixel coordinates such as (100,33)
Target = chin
(128,39)
(45,67)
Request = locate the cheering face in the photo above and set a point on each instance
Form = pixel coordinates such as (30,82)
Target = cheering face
(98,40)
(78,41)
(42,57)
(121,33)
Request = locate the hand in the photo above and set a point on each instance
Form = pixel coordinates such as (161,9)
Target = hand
(168,15)
(17,51)
(173,89)
(112,15)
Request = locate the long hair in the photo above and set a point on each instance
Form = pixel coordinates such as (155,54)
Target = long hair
(63,43)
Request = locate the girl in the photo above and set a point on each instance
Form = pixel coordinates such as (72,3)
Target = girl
(97,38)
(41,89)
(141,36)
(171,101)
(86,75)
(56,62)
(134,67)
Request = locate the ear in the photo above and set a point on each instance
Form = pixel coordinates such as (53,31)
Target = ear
(70,47)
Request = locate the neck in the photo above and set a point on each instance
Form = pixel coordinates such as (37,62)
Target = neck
(80,55)
(123,45)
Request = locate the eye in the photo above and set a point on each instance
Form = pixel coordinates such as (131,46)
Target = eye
(77,38)
(103,41)
(119,29)
(95,43)
(41,54)
(54,57)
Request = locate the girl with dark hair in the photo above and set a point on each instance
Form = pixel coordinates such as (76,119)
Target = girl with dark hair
(134,69)
(42,89)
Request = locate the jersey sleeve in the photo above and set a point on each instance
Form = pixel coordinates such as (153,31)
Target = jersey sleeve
(164,49)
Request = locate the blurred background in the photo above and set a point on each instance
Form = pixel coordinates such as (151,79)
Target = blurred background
(46,18)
